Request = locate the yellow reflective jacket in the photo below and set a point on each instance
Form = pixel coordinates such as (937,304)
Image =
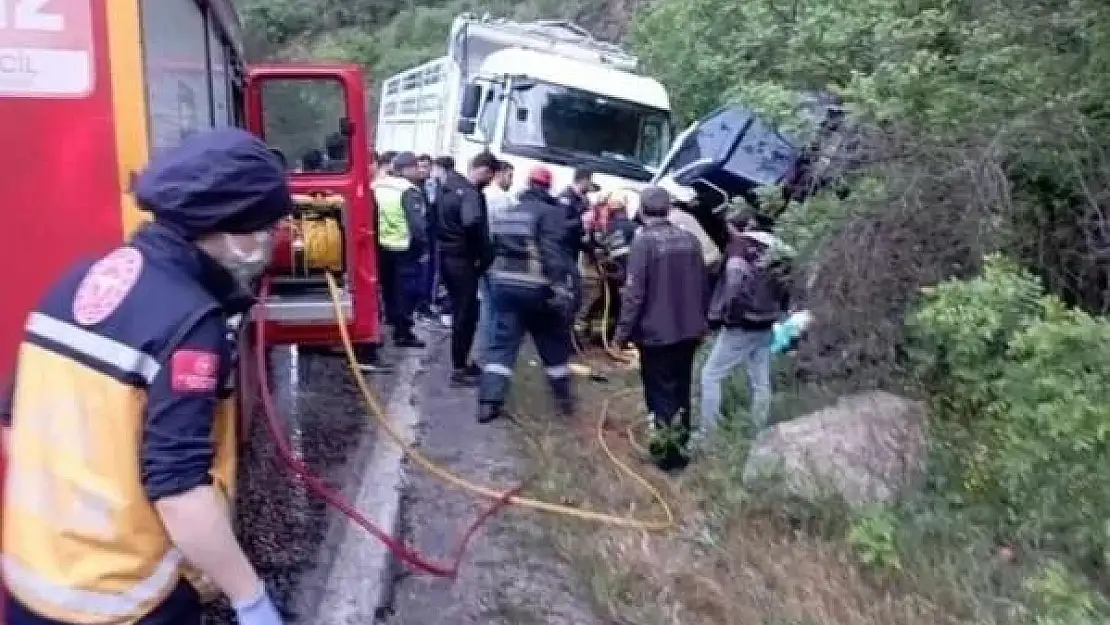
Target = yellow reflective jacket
(393,225)
(82,543)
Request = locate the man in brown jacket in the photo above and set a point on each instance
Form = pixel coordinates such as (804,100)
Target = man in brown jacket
(663,310)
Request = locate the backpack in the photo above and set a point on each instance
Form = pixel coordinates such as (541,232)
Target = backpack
(750,294)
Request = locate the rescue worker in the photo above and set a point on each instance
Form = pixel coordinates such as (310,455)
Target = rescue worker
(403,245)
(663,310)
(530,288)
(595,227)
(575,203)
(464,245)
(612,233)
(122,453)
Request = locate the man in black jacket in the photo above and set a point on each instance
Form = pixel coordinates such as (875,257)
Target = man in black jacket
(530,288)
(464,256)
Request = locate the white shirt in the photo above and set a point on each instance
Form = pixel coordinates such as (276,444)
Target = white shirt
(498,201)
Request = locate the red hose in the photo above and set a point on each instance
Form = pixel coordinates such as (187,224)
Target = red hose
(321,489)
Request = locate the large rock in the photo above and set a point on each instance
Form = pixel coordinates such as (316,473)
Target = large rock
(867,448)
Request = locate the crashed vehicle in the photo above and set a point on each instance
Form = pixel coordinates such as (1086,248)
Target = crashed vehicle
(731,153)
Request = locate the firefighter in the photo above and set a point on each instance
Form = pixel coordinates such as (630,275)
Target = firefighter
(531,293)
(403,245)
(613,240)
(122,453)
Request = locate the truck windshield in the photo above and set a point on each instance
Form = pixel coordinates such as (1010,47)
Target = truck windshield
(576,127)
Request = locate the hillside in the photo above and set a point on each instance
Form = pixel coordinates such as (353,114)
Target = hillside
(387,36)
(969,266)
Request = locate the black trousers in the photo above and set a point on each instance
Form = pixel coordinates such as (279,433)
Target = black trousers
(460,276)
(667,373)
(399,274)
(182,607)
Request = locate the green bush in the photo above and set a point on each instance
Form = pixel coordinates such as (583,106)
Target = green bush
(1020,406)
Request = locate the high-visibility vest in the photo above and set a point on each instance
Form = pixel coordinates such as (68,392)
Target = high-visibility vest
(82,543)
(393,225)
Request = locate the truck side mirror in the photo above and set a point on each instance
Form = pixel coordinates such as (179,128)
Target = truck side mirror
(468,111)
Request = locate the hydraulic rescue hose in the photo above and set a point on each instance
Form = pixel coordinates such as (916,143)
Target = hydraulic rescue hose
(448,477)
(321,489)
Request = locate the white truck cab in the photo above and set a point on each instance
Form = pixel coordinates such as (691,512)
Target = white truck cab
(531,93)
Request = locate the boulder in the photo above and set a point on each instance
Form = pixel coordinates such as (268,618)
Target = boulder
(867,448)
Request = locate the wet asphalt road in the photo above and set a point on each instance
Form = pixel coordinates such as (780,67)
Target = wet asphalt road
(510,574)
(282,528)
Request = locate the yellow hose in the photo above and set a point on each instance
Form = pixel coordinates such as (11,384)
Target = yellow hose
(323,244)
(446,476)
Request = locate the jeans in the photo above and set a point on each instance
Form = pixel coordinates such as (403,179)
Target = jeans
(520,312)
(735,347)
(667,373)
(486,321)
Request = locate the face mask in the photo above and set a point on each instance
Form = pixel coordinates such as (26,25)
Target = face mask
(249,264)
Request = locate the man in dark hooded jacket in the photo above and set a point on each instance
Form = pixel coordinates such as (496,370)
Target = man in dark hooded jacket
(530,285)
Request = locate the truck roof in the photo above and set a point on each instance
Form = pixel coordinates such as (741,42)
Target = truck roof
(599,79)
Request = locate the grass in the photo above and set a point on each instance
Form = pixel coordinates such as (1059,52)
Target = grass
(735,558)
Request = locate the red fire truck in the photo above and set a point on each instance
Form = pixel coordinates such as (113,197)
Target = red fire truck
(90,88)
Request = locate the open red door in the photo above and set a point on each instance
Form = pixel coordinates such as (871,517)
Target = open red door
(314,116)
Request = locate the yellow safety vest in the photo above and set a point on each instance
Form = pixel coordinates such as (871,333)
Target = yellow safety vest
(393,225)
(82,543)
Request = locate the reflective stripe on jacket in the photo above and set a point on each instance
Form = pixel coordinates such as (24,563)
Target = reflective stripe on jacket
(517,255)
(82,541)
(393,225)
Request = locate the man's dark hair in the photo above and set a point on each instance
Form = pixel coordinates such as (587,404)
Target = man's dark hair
(582,173)
(484,159)
(387,158)
(446,162)
(424,158)
(503,166)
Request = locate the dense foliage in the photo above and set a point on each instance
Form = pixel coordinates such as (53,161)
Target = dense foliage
(1021,406)
(985,127)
